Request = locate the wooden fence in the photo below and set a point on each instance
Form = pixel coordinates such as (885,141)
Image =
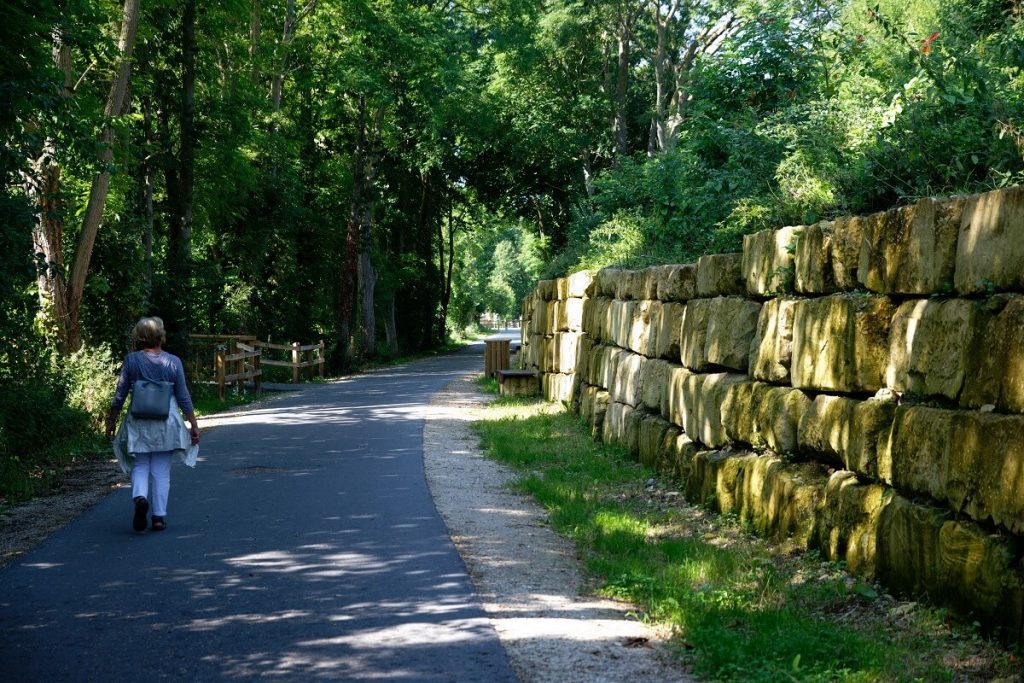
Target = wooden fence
(242,371)
(202,353)
(314,354)
(239,358)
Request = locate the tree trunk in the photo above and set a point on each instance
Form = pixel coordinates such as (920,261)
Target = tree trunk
(359,277)
(65,296)
(621,90)
(390,329)
(180,266)
(146,172)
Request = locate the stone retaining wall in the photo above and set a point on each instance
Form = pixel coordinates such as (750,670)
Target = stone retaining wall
(855,385)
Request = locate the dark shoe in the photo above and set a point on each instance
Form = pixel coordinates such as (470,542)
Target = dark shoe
(158,524)
(141,508)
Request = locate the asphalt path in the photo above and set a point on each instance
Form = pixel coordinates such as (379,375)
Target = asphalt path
(304,546)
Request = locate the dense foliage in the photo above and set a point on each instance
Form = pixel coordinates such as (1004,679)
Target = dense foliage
(379,173)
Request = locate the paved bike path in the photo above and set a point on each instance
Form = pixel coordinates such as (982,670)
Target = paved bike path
(304,546)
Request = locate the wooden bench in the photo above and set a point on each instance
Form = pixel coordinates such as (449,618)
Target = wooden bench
(518,382)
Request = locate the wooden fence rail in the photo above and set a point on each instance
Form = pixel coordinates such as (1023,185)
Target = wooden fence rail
(239,358)
(314,354)
(243,370)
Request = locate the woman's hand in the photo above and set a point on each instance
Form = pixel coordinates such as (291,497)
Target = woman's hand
(194,431)
(111,427)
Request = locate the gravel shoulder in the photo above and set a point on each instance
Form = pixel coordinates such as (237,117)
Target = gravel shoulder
(528,577)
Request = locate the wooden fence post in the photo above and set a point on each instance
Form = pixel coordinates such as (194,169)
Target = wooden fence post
(295,363)
(220,372)
(258,368)
(321,352)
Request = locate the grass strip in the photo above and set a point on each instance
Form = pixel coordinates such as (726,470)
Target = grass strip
(740,609)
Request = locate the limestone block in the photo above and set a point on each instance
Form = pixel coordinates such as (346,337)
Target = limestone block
(604,365)
(556,387)
(704,414)
(739,414)
(771,350)
(580,284)
(672,410)
(597,366)
(847,432)
(911,249)
(956,563)
(631,286)
(667,456)
(768,263)
(649,284)
(554,312)
(566,347)
(667,338)
(677,282)
(570,315)
(972,461)
(622,426)
(584,352)
(549,362)
(813,260)
(732,323)
(547,290)
(593,405)
(640,327)
(847,525)
(776,499)
(995,365)
(693,333)
(538,323)
(594,312)
(720,275)
(620,322)
(779,410)
(656,313)
(847,234)
(627,384)
(990,248)
(606,282)
(841,343)
(654,384)
(701,484)
(689,403)
(651,439)
(929,347)
(636,284)
(561,288)
(537,352)
(680,456)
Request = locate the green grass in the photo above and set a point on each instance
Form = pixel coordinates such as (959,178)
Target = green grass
(206,399)
(741,610)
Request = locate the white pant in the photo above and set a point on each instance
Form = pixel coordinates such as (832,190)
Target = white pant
(158,467)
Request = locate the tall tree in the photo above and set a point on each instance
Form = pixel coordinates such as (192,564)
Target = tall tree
(64,292)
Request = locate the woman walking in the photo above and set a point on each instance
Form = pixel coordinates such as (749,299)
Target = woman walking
(146,444)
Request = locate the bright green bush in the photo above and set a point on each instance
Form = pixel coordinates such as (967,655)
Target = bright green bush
(90,377)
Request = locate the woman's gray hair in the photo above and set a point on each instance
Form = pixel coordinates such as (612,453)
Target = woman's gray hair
(149,332)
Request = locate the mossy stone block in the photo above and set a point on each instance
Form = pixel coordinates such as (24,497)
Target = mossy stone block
(929,347)
(841,343)
(771,349)
(768,261)
(912,249)
(720,275)
(990,247)
(732,323)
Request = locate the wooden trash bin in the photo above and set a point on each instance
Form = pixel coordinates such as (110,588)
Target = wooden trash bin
(495,356)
